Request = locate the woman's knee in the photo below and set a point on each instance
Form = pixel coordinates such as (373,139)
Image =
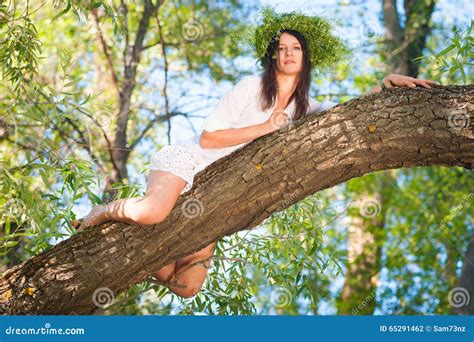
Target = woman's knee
(189,290)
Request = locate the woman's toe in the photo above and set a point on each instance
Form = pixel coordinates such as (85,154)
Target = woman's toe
(75,223)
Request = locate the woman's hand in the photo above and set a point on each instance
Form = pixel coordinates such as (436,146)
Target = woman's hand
(277,120)
(393,80)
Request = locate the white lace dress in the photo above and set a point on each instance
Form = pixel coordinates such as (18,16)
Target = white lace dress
(238,108)
(180,160)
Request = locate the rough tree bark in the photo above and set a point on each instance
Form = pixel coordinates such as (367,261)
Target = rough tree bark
(411,127)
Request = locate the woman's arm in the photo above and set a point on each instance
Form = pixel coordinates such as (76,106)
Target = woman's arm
(232,136)
(393,80)
(235,136)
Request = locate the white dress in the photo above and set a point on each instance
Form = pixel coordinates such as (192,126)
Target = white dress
(239,107)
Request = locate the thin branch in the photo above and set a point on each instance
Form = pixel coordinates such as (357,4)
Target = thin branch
(108,57)
(157,43)
(165,87)
(149,125)
(85,142)
(129,82)
(26,147)
(82,141)
(124,9)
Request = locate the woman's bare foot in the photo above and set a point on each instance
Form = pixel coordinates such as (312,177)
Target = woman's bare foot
(97,215)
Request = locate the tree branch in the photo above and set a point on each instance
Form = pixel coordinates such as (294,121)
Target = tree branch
(149,125)
(398,128)
(165,86)
(108,57)
(130,69)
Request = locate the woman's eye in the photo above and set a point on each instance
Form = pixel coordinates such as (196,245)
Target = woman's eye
(297,47)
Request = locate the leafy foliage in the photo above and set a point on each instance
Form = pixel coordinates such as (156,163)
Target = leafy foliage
(455,62)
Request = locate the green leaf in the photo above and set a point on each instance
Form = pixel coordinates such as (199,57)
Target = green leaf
(445,51)
(64,11)
(9,244)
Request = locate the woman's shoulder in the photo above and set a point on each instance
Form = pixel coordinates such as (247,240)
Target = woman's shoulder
(250,80)
(246,88)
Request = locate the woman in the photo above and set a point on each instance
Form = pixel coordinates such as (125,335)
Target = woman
(255,106)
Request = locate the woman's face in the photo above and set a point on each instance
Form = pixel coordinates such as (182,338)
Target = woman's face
(289,54)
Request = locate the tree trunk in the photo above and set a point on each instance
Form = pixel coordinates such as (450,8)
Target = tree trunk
(120,150)
(406,43)
(366,236)
(461,296)
(411,127)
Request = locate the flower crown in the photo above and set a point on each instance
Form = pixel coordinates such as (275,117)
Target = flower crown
(325,49)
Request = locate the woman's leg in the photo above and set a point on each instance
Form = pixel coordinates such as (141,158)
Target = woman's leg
(186,276)
(163,190)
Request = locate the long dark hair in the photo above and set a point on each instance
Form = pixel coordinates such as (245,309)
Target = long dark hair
(269,84)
